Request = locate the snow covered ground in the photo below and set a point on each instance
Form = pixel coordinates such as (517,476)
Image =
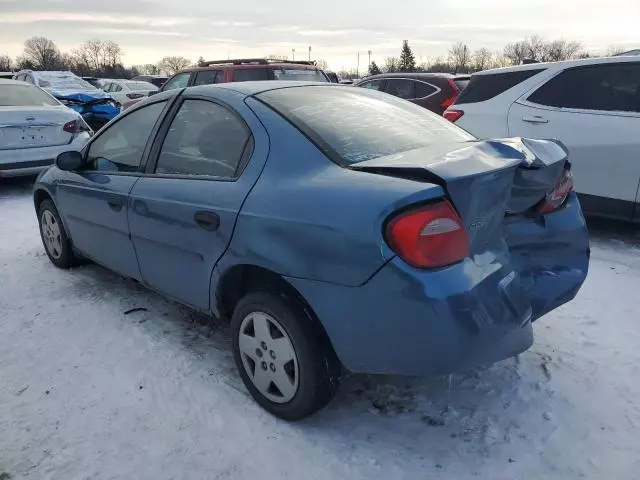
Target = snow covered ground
(89,392)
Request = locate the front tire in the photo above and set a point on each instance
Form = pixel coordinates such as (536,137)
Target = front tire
(54,238)
(284,361)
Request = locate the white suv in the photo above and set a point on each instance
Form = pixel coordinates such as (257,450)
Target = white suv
(592,106)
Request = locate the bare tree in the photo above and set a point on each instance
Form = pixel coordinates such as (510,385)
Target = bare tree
(516,52)
(148,69)
(41,53)
(101,57)
(5,63)
(500,60)
(535,48)
(482,59)
(171,65)
(322,64)
(391,65)
(558,50)
(460,57)
(613,51)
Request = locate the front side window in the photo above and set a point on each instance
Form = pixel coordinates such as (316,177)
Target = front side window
(120,147)
(205,139)
(401,88)
(373,84)
(596,87)
(181,80)
(356,124)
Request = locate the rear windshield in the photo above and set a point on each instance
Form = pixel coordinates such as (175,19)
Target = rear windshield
(353,125)
(139,85)
(25,95)
(485,87)
(63,81)
(251,74)
(462,83)
(299,75)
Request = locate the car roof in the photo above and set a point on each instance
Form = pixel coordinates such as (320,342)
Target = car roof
(6,81)
(417,75)
(257,87)
(561,65)
(251,66)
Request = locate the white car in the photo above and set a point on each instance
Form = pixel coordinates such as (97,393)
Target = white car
(592,106)
(35,128)
(126,90)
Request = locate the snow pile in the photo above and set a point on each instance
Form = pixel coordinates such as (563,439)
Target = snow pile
(87,391)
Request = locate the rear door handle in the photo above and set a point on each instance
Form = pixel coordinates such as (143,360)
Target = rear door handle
(207,220)
(535,119)
(115,202)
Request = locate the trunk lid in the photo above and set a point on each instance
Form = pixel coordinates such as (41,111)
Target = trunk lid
(32,127)
(485,180)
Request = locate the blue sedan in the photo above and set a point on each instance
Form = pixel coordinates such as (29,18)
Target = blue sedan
(333,227)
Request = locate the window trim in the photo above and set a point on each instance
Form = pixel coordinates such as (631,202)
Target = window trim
(524,99)
(145,152)
(163,130)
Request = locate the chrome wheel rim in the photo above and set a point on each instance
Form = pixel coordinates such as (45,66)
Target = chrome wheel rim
(51,234)
(268,357)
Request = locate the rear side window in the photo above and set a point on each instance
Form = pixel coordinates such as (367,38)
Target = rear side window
(356,124)
(299,75)
(204,139)
(400,87)
(424,89)
(207,77)
(485,87)
(461,83)
(250,74)
(598,87)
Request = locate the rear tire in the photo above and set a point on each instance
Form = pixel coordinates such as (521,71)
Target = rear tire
(284,361)
(54,237)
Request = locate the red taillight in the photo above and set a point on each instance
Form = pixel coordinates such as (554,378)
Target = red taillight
(133,96)
(429,237)
(450,100)
(453,115)
(556,197)
(70,127)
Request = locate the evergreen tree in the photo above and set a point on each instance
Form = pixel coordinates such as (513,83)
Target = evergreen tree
(374,69)
(407,59)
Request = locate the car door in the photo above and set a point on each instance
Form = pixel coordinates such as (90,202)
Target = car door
(595,111)
(184,210)
(93,200)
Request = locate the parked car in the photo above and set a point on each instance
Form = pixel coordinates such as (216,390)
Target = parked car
(242,70)
(592,106)
(332,225)
(433,91)
(95,106)
(93,81)
(126,90)
(157,80)
(34,129)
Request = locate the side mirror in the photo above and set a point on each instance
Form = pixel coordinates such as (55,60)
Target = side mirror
(69,161)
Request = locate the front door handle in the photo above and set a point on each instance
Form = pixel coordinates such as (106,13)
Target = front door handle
(115,202)
(535,119)
(207,220)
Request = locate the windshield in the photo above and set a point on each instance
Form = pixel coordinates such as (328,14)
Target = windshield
(25,95)
(353,125)
(137,85)
(63,81)
(299,75)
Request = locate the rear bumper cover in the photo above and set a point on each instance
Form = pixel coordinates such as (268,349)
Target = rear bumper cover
(30,161)
(408,321)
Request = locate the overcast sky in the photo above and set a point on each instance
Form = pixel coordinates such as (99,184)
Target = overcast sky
(335,29)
